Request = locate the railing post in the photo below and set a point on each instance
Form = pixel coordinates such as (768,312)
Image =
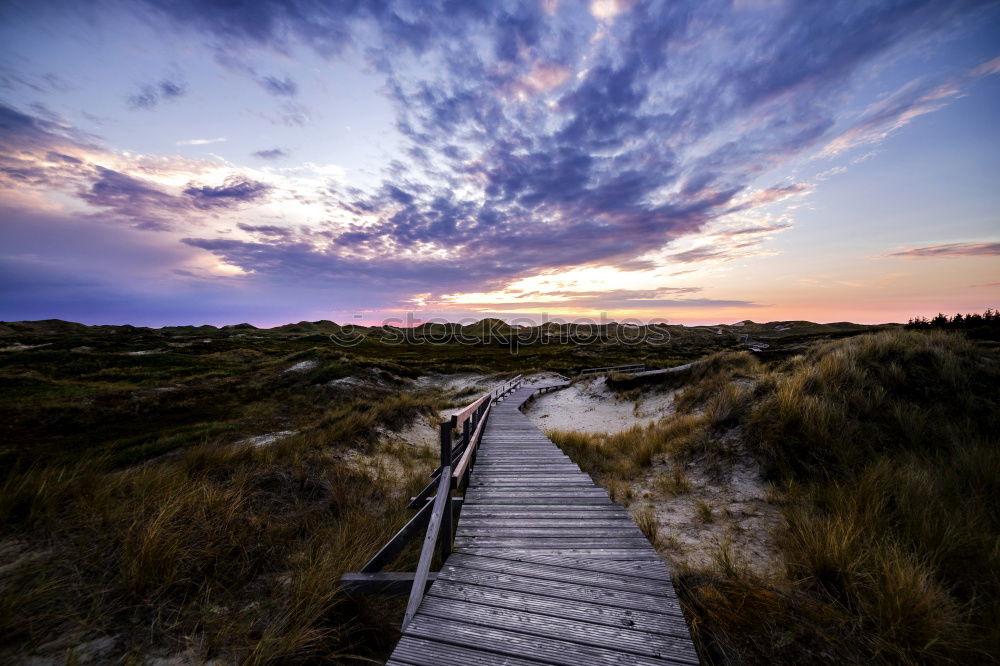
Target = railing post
(444,538)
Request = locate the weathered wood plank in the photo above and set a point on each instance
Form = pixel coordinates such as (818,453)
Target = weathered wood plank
(423,652)
(562,590)
(516,644)
(621,638)
(522,501)
(656,570)
(624,530)
(653,622)
(619,543)
(613,581)
(603,554)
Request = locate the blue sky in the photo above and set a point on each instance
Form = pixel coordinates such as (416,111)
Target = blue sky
(700,162)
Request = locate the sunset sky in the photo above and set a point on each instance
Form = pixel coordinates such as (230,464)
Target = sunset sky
(694,161)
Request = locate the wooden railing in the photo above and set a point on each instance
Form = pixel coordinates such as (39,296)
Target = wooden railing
(636,367)
(460,437)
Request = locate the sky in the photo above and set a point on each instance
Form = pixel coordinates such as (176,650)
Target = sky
(693,161)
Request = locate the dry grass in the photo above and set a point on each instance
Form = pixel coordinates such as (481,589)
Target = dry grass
(886,447)
(236,548)
(675,482)
(645,518)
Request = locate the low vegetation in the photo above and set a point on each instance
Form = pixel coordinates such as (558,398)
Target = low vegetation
(885,447)
(201,500)
(198,491)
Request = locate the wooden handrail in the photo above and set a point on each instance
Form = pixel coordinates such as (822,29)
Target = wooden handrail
(470,448)
(427,551)
(396,544)
(634,366)
(437,515)
(463,416)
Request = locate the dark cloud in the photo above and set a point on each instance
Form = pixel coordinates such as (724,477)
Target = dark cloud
(949,250)
(144,205)
(285,87)
(169,89)
(265,230)
(20,131)
(759,229)
(271,153)
(234,191)
(699,254)
(149,96)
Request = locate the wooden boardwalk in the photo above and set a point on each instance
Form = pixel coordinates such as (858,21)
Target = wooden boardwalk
(546,568)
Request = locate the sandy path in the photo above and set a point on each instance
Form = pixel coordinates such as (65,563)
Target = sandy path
(589,406)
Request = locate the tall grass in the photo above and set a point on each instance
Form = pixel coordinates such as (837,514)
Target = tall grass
(239,549)
(889,445)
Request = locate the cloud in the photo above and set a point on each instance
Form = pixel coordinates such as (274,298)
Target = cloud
(948,250)
(285,87)
(265,230)
(143,204)
(149,96)
(698,254)
(200,142)
(271,153)
(911,101)
(234,191)
(44,155)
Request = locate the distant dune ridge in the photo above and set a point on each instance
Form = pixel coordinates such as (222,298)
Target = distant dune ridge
(487,326)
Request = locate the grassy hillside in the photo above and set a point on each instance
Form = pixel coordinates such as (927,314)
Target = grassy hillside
(884,452)
(138,515)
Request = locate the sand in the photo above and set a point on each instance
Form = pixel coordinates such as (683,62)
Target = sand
(589,406)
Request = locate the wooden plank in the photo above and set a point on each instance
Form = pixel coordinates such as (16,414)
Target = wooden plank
(561,590)
(584,491)
(524,501)
(622,639)
(602,554)
(611,616)
(422,652)
(471,522)
(656,570)
(624,530)
(516,480)
(542,512)
(527,646)
(614,581)
(620,543)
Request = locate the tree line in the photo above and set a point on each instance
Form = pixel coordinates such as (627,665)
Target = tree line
(989,318)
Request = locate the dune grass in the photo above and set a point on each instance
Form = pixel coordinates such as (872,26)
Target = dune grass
(229,550)
(886,445)
(239,549)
